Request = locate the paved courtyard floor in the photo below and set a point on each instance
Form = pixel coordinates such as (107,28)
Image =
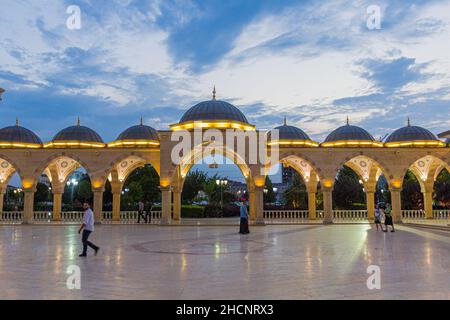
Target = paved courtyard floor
(188,262)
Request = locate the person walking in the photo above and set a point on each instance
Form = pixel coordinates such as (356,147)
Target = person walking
(378,217)
(388,218)
(243,228)
(87,227)
(148,214)
(141,213)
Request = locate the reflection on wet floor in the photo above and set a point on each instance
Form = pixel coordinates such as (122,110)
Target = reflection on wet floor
(272,262)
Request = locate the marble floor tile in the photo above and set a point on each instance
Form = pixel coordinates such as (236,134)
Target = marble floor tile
(215,262)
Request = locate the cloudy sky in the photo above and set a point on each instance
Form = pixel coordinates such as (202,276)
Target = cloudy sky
(315,62)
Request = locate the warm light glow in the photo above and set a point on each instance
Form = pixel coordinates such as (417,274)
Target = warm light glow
(96,184)
(221,124)
(27,184)
(416,143)
(352,143)
(133,143)
(19,145)
(327,183)
(73,144)
(397,183)
(164,183)
(307,143)
(260,182)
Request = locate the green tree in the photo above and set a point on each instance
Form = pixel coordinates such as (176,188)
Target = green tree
(134,194)
(269,194)
(382,193)
(347,191)
(148,180)
(411,192)
(193,183)
(296,196)
(442,188)
(42,193)
(83,191)
(213,191)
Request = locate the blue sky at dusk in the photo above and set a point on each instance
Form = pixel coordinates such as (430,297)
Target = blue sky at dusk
(314,61)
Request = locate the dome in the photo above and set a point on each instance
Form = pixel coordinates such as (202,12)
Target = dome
(214,110)
(412,136)
(219,113)
(291,135)
(17,136)
(350,135)
(76,136)
(139,132)
(137,135)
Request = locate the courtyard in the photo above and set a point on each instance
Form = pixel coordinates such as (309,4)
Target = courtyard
(215,262)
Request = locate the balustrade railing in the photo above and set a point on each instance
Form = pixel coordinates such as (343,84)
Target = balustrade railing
(131,216)
(42,216)
(72,216)
(350,215)
(286,214)
(293,216)
(302,215)
(413,214)
(11,216)
(441,214)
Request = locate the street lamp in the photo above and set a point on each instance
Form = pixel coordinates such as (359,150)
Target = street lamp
(72,182)
(221,183)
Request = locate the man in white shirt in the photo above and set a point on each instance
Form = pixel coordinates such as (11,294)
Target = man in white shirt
(87,227)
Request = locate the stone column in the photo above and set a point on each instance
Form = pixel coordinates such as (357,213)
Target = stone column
(116,189)
(116,207)
(28,206)
(98,205)
(428,204)
(259,205)
(370,202)
(396,200)
(57,205)
(176,205)
(327,205)
(312,206)
(252,206)
(166,214)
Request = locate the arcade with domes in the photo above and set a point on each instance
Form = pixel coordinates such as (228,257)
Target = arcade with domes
(408,148)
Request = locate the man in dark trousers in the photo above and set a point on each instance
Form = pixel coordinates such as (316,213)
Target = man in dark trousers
(87,227)
(243,228)
(141,213)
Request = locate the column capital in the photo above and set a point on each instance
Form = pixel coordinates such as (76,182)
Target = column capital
(166,188)
(97,190)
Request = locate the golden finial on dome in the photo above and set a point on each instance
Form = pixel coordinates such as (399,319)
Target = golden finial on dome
(348,121)
(78,121)
(17,121)
(408,122)
(285,121)
(214,93)
(142,121)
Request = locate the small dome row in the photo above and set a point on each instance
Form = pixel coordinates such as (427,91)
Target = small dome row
(350,135)
(78,136)
(217,114)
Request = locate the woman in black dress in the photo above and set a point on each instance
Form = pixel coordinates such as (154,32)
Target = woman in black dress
(388,218)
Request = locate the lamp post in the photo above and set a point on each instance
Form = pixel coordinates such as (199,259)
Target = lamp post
(72,183)
(221,183)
